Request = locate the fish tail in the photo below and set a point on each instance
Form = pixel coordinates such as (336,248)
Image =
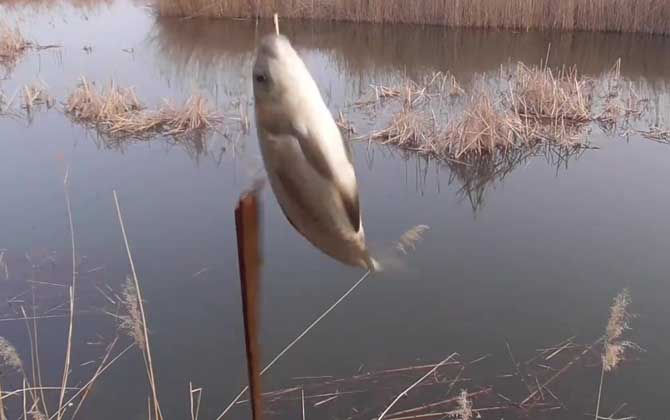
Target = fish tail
(373,265)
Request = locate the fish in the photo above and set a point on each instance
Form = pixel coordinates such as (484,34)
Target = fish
(309,167)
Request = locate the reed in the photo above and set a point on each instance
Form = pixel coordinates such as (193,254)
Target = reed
(36,94)
(650,16)
(12,46)
(116,112)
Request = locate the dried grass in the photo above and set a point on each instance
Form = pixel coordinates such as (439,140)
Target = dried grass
(409,129)
(617,324)
(88,105)
(651,16)
(117,112)
(35,95)
(657,134)
(9,357)
(536,106)
(483,129)
(12,46)
(539,93)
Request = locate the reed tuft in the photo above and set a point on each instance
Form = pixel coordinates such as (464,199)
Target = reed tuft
(649,16)
(12,46)
(35,95)
(117,113)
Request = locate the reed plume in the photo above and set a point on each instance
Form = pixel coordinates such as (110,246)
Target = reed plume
(614,346)
(411,238)
(464,411)
(617,324)
(9,357)
(131,322)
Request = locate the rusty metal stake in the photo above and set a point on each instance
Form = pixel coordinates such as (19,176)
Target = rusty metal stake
(248,253)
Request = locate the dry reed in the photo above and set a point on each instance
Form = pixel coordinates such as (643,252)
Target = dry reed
(117,113)
(614,346)
(539,93)
(35,95)
(12,46)
(148,359)
(650,16)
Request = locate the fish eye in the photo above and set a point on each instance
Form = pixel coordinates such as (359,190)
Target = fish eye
(260,78)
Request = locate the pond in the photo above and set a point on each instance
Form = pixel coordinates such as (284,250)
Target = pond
(508,267)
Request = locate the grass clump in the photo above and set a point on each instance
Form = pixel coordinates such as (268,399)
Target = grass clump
(536,106)
(102,108)
(650,16)
(116,112)
(12,46)
(35,95)
(539,93)
(482,130)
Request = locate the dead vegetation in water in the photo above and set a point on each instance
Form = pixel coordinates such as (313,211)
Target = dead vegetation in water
(540,94)
(494,384)
(650,16)
(35,95)
(503,121)
(524,108)
(12,46)
(116,112)
(537,107)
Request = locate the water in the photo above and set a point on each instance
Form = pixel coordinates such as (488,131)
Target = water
(537,261)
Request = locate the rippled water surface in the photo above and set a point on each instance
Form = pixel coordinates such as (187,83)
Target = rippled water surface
(526,261)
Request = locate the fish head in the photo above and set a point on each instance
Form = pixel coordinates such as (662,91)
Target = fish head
(272,77)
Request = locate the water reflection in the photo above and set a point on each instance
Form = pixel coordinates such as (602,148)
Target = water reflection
(480,175)
(367,51)
(51,5)
(347,58)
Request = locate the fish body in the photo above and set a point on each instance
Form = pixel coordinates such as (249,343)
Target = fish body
(308,165)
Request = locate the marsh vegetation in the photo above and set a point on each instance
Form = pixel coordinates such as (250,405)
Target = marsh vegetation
(650,16)
(532,164)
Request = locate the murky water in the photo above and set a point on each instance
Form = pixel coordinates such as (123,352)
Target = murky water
(535,261)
